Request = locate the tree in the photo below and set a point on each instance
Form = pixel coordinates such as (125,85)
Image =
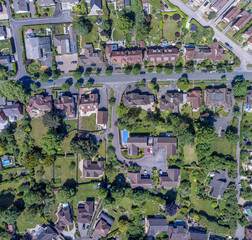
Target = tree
(54,66)
(50,142)
(32,158)
(128,70)
(123,224)
(183,83)
(86,147)
(82,27)
(159,69)
(153,86)
(102,192)
(78,85)
(124,24)
(168,69)
(231,134)
(4,235)
(10,215)
(106,25)
(14,91)
(135,71)
(65,194)
(48,160)
(212,15)
(34,87)
(51,120)
(178,68)
(190,67)
(43,77)
(55,76)
(33,198)
(108,72)
(77,75)
(65,86)
(240,87)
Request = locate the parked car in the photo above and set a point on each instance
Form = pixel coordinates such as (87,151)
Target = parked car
(142,73)
(227,44)
(50,81)
(203,71)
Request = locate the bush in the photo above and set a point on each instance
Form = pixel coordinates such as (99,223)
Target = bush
(43,77)
(108,72)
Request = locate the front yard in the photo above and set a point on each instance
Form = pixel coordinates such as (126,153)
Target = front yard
(5,46)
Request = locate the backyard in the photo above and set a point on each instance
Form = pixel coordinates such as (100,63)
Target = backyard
(189,154)
(38,129)
(45,11)
(169,29)
(5,46)
(89,123)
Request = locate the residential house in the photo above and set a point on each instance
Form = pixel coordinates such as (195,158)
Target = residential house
(156,225)
(69,4)
(91,57)
(193,28)
(104,224)
(231,15)
(198,52)
(13,111)
(102,119)
(247,33)
(127,3)
(190,53)
(178,231)
(139,181)
(95,5)
(194,98)
(170,179)
(248,212)
(172,101)
(3,12)
(85,211)
(217,52)
(37,47)
(65,106)
(161,55)
(126,57)
(248,102)
(46,3)
(91,169)
(218,97)
(3,34)
(20,6)
(218,5)
(198,234)
(243,20)
(149,144)
(88,104)
(146,6)
(109,48)
(39,105)
(248,234)
(66,48)
(5,59)
(64,217)
(43,233)
(3,121)
(219,184)
(138,99)
(171,208)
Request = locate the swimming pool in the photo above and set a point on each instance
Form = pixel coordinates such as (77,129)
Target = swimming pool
(6,162)
(125,135)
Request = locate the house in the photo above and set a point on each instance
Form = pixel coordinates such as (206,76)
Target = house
(46,3)
(91,57)
(126,57)
(104,224)
(218,97)
(202,53)
(160,55)
(91,169)
(3,12)
(219,184)
(13,111)
(109,48)
(198,234)
(171,208)
(149,144)
(170,179)
(88,104)
(3,34)
(65,106)
(248,212)
(85,211)
(3,121)
(248,102)
(139,181)
(217,52)
(138,99)
(64,217)
(156,225)
(231,15)
(218,5)
(178,231)
(247,33)
(190,53)
(96,5)
(43,233)
(193,28)
(39,105)
(20,6)
(194,98)
(172,101)
(127,3)
(37,47)
(242,21)
(66,48)
(102,119)
(5,59)
(68,4)
(146,6)
(248,234)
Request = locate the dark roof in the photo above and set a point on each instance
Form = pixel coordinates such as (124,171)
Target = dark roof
(85,212)
(64,42)
(139,181)
(193,28)
(104,224)
(171,208)
(178,233)
(198,236)
(64,218)
(137,99)
(96,5)
(127,3)
(91,169)
(171,178)
(157,225)
(12,109)
(48,233)
(102,117)
(171,101)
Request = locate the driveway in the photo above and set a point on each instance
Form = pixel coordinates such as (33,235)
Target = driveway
(69,234)
(222,122)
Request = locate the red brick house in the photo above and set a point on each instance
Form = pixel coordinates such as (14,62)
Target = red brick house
(241,22)
(126,57)
(217,52)
(161,55)
(231,15)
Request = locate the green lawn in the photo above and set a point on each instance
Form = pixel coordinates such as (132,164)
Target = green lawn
(190,154)
(169,29)
(102,149)
(73,123)
(221,145)
(38,129)
(92,37)
(46,173)
(89,123)
(62,171)
(5,46)
(66,142)
(48,11)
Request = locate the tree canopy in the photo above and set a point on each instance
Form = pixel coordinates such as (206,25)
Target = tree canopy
(182,83)
(50,142)
(85,147)
(51,120)
(82,26)
(124,24)
(65,194)
(240,87)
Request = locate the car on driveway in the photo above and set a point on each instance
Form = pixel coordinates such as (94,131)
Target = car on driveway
(50,81)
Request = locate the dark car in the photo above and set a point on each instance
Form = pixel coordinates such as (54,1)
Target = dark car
(50,81)
(203,71)
(60,63)
(205,4)
(74,62)
(93,65)
(142,73)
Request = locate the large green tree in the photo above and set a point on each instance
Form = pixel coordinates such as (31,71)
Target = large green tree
(65,194)
(50,142)
(51,120)
(183,83)
(240,87)
(124,24)
(82,26)
(85,147)
(10,215)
